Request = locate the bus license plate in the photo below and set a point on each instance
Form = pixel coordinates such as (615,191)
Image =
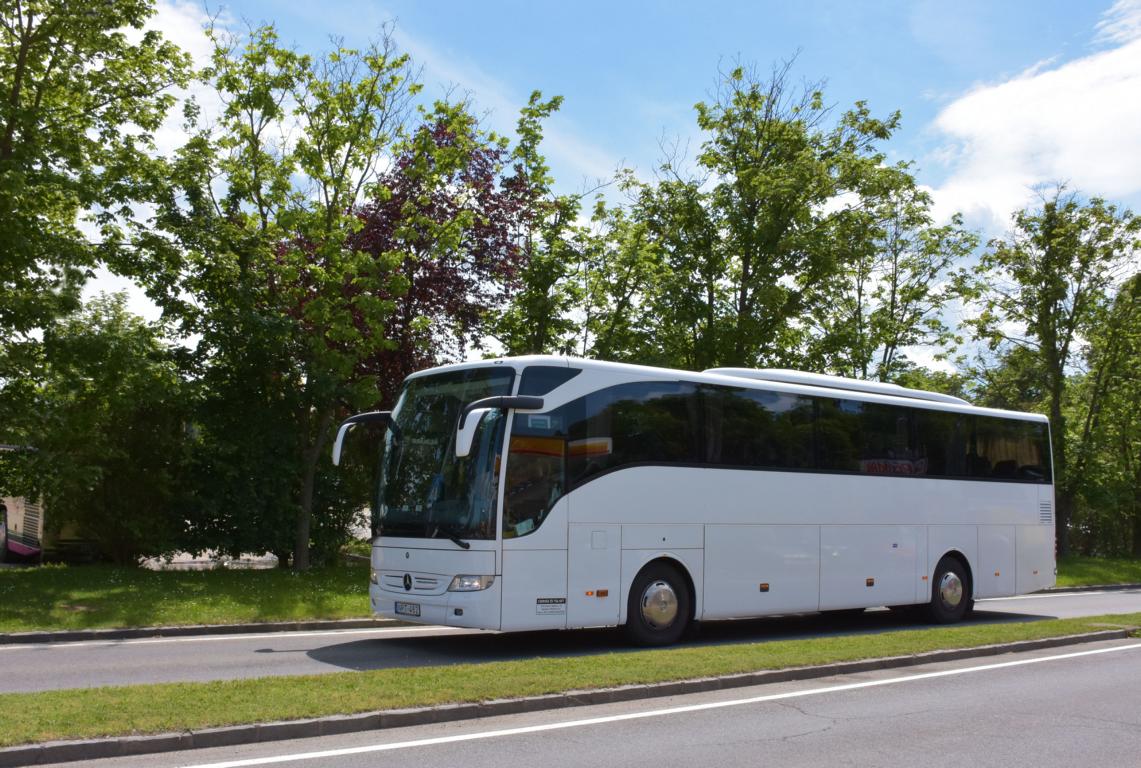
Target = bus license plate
(408,609)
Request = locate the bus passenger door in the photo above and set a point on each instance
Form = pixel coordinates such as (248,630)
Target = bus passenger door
(535,575)
(594,563)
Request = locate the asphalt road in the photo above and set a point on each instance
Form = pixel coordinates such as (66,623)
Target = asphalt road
(224,657)
(1061,707)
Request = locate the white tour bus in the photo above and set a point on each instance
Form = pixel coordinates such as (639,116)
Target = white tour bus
(548,492)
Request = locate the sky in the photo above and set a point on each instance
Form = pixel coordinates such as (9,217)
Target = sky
(996,97)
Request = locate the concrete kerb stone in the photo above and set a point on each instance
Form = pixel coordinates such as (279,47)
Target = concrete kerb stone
(66,751)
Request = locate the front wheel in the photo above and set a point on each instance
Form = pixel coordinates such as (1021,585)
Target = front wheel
(950,592)
(658,609)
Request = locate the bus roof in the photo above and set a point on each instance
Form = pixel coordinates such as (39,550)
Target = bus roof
(777,380)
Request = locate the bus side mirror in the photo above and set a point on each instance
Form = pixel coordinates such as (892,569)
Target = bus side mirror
(371,417)
(465,434)
(465,429)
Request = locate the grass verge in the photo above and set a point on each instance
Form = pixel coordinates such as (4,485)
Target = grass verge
(87,713)
(98,596)
(1074,571)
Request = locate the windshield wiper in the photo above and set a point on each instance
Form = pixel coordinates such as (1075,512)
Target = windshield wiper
(452,534)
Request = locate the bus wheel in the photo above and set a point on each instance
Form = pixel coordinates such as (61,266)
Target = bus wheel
(658,609)
(950,592)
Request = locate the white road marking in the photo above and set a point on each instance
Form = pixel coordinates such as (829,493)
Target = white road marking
(325,754)
(236,636)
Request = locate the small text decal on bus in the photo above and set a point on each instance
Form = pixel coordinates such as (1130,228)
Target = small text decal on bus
(550,605)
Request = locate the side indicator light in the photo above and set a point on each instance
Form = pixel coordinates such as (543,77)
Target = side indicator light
(870,582)
(603,593)
(996,573)
(765,587)
(590,593)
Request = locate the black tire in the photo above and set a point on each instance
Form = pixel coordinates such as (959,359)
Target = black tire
(950,592)
(659,607)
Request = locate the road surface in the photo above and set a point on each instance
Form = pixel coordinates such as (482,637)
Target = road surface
(225,657)
(1055,708)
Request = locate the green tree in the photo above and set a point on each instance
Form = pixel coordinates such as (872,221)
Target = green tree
(1043,288)
(251,255)
(748,241)
(109,419)
(82,91)
(538,319)
(1105,430)
(892,287)
(79,102)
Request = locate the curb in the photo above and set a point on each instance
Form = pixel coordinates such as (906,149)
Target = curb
(90,749)
(67,636)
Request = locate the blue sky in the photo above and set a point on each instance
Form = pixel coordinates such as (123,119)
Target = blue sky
(631,72)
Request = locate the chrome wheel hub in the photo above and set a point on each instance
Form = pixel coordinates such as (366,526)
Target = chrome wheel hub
(951,590)
(659,604)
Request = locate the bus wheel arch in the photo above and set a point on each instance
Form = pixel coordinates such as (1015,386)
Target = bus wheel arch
(952,589)
(660,602)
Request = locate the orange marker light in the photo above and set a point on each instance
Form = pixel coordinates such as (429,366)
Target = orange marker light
(603,592)
(590,593)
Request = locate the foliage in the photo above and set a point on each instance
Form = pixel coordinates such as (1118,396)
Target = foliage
(110,417)
(744,247)
(892,289)
(448,220)
(1043,289)
(80,96)
(1105,430)
(538,318)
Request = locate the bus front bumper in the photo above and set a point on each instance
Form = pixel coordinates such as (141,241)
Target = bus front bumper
(478,609)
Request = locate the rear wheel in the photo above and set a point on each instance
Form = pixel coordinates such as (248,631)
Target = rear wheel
(950,592)
(659,606)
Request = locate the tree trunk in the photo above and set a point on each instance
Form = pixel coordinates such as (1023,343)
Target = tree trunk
(1137,513)
(310,457)
(1063,483)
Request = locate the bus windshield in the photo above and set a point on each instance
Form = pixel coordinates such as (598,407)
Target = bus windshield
(425,490)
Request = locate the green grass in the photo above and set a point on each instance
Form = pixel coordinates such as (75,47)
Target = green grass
(90,596)
(87,713)
(96,596)
(1076,570)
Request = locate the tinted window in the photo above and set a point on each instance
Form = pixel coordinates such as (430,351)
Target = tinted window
(941,439)
(736,427)
(643,422)
(541,379)
(754,428)
(1004,449)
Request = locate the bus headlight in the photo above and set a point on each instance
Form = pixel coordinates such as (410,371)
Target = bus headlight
(470,583)
(373,576)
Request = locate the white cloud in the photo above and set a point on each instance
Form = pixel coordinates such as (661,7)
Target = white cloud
(1121,23)
(1075,122)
